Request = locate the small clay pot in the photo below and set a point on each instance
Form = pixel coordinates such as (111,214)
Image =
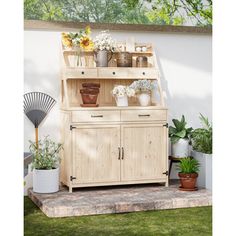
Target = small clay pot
(90,85)
(188,181)
(89,95)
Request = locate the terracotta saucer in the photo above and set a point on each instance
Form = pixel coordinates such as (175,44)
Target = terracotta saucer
(89,105)
(188,189)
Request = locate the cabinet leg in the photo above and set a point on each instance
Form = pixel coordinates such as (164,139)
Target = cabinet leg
(70,189)
(167,183)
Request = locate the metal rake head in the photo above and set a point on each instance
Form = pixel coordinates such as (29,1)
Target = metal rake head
(37,105)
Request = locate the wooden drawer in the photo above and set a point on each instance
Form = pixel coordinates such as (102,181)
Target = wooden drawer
(112,73)
(81,73)
(144,115)
(95,116)
(143,73)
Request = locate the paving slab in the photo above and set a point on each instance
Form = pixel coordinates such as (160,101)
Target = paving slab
(118,199)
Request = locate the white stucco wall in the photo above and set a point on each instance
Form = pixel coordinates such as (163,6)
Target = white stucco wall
(184,60)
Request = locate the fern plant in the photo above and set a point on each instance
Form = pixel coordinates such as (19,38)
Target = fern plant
(46,157)
(188,165)
(201,138)
(180,130)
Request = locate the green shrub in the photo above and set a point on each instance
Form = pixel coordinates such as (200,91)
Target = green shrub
(46,157)
(201,138)
(179,131)
(188,165)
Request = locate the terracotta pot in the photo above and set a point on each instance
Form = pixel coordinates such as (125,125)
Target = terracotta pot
(90,85)
(188,181)
(89,96)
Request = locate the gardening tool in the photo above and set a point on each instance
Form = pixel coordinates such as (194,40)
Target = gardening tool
(36,106)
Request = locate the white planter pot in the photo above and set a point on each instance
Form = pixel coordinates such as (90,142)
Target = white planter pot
(46,181)
(205,171)
(180,148)
(144,99)
(122,101)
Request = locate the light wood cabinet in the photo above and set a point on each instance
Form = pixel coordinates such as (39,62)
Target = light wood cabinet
(109,145)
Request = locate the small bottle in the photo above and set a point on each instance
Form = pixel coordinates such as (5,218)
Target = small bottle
(141,61)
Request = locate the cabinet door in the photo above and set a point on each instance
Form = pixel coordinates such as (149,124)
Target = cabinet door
(95,153)
(145,152)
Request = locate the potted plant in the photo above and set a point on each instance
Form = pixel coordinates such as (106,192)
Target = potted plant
(121,94)
(180,138)
(188,172)
(143,89)
(201,140)
(103,45)
(45,165)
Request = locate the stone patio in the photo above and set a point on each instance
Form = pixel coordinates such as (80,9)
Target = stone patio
(105,200)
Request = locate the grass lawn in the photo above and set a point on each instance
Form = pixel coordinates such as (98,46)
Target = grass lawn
(190,221)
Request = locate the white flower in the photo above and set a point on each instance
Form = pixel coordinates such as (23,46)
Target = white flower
(121,91)
(103,41)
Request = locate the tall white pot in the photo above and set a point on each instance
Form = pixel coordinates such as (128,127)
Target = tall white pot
(46,181)
(205,170)
(180,148)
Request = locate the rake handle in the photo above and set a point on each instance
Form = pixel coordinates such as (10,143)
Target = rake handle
(37,138)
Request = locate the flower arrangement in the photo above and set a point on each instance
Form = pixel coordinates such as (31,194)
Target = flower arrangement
(80,40)
(121,91)
(104,41)
(46,156)
(143,85)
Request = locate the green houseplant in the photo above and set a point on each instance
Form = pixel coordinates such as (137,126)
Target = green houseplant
(45,165)
(188,173)
(179,137)
(201,139)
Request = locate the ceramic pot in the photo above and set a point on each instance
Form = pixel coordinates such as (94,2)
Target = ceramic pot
(46,181)
(144,99)
(122,101)
(180,148)
(90,85)
(102,58)
(205,170)
(188,181)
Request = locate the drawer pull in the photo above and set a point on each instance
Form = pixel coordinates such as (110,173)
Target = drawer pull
(113,72)
(143,73)
(119,153)
(148,115)
(82,72)
(100,116)
(122,156)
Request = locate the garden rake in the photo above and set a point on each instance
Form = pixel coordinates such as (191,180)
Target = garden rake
(36,106)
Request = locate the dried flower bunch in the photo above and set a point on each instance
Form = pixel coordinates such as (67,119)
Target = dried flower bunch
(121,91)
(143,85)
(81,39)
(104,41)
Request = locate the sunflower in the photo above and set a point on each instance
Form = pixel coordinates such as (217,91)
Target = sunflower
(66,40)
(86,43)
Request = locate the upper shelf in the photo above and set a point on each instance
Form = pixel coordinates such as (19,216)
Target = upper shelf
(110,73)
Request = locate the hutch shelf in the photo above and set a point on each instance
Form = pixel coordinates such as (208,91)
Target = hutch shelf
(110,145)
